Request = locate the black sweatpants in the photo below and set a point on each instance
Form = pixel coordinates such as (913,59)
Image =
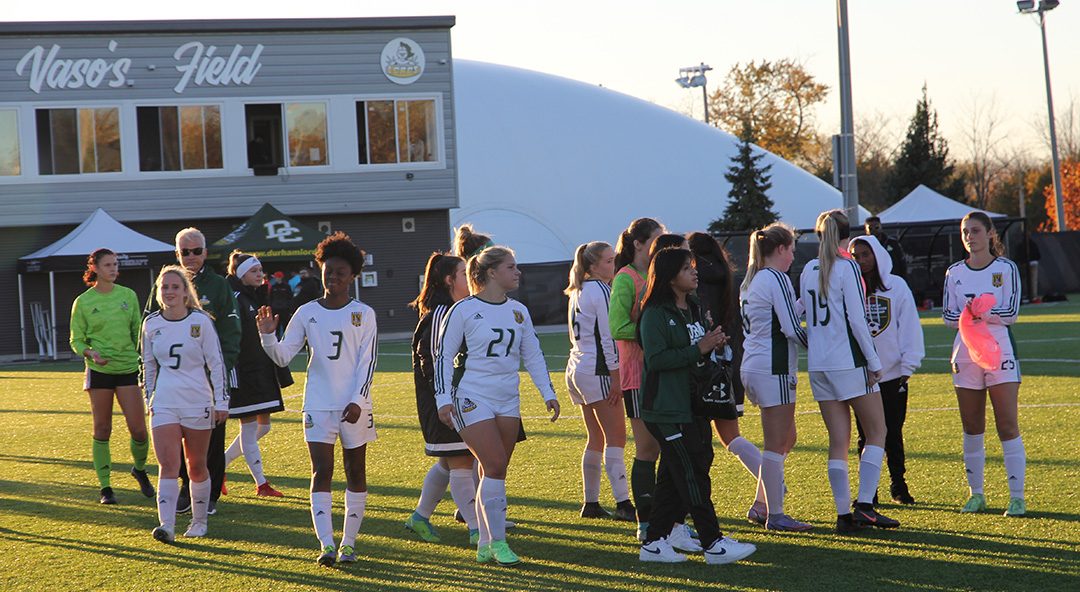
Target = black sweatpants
(215,465)
(894,401)
(682,480)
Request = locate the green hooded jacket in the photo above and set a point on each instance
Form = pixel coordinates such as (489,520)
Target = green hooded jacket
(671,357)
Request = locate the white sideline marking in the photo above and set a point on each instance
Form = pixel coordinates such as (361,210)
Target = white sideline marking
(1054,340)
(1022,360)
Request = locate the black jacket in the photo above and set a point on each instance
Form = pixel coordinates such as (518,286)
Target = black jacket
(256,372)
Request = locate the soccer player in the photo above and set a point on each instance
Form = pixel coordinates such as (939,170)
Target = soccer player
(105,331)
(444,284)
(186,392)
(772,333)
(342,341)
(844,370)
(674,340)
(483,341)
(592,378)
(258,392)
(985,271)
(898,339)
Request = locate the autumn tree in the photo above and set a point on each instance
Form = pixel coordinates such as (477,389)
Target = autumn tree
(749,206)
(1070,195)
(923,158)
(984,138)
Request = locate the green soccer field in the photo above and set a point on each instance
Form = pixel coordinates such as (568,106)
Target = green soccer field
(55,536)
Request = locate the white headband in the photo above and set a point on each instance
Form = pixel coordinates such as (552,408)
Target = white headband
(246,266)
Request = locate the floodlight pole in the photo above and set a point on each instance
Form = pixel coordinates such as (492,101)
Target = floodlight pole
(849,182)
(1061,225)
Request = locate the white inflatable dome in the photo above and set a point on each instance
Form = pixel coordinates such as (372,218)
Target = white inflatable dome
(547,163)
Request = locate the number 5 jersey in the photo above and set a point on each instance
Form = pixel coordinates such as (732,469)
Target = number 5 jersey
(182,363)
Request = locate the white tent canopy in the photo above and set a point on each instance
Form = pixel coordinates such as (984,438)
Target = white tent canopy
(926,205)
(547,163)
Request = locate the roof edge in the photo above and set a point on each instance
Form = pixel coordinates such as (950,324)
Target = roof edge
(224,25)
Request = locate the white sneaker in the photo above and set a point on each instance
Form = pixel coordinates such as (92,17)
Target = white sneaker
(197,529)
(681,539)
(660,551)
(726,550)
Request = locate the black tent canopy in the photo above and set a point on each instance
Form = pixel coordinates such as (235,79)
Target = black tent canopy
(271,236)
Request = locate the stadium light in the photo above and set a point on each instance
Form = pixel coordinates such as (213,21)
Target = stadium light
(693,77)
(1028,7)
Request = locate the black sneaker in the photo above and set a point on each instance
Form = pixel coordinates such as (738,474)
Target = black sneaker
(183,505)
(459,517)
(144,482)
(900,493)
(593,510)
(107,496)
(875,502)
(866,515)
(212,508)
(625,511)
(845,523)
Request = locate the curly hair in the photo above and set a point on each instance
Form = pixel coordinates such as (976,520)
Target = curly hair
(340,245)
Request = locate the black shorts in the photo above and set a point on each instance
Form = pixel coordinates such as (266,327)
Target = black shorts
(632,401)
(101,380)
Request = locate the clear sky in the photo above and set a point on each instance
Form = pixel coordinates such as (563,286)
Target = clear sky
(966,51)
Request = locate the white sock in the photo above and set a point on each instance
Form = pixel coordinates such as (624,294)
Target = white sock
(355,502)
(200,500)
(321,518)
(1015,465)
(249,445)
(615,466)
(463,491)
(167,492)
(493,501)
(974,461)
(590,474)
(750,457)
(482,523)
(841,488)
(772,480)
(433,490)
(233,452)
(869,473)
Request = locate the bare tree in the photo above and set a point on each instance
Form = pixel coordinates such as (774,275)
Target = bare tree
(984,138)
(1068,129)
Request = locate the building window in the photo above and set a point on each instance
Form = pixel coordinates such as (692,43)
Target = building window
(179,138)
(74,141)
(298,130)
(306,125)
(9,143)
(397,131)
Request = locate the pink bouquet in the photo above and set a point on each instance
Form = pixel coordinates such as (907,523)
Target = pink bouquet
(982,346)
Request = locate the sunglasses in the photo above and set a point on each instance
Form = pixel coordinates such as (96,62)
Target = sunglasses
(195,251)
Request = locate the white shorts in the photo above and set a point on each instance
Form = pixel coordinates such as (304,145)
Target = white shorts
(586,389)
(192,419)
(470,409)
(969,375)
(840,385)
(327,426)
(769,390)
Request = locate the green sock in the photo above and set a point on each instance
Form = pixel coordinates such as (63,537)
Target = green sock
(139,451)
(643,483)
(102,462)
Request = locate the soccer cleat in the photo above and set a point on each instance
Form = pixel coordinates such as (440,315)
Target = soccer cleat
(163,534)
(975,503)
(474,537)
(1017,507)
(727,550)
(757,514)
(502,554)
(107,496)
(659,551)
(346,554)
(145,486)
(866,515)
(196,529)
(328,557)
(593,510)
(224,490)
(680,539)
(783,522)
(183,505)
(423,528)
(266,490)
(211,508)
(625,511)
(845,524)
(642,531)
(900,493)
(483,554)
(510,525)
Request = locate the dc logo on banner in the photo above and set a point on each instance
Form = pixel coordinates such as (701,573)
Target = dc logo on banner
(282,231)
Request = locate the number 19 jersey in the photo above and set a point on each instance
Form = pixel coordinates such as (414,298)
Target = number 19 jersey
(837,332)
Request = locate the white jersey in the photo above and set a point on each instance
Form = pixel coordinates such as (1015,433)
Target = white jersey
(343,344)
(962,283)
(836,327)
(592,349)
(771,326)
(182,363)
(481,347)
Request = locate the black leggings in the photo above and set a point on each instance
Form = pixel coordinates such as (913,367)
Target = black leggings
(894,401)
(682,480)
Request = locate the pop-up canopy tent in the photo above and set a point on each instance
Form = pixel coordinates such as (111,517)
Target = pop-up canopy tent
(133,251)
(270,236)
(926,205)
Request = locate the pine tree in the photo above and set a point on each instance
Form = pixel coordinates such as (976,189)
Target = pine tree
(923,158)
(749,206)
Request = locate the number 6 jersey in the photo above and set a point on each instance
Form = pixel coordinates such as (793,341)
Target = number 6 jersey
(481,347)
(182,363)
(343,346)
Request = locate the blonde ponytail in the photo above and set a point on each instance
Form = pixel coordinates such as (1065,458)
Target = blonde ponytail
(478,265)
(585,257)
(829,228)
(763,243)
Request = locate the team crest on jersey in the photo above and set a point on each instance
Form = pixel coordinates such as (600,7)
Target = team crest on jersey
(879,312)
(996,280)
(519,317)
(357,318)
(123,306)
(196,331)
(204,301)
(467,405)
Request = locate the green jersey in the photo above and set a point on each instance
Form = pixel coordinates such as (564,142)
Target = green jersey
(108,324)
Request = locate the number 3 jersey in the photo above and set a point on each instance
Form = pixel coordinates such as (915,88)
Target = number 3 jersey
(343,345)
(836,327)
(481,347)
(962,283)
(182,363)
